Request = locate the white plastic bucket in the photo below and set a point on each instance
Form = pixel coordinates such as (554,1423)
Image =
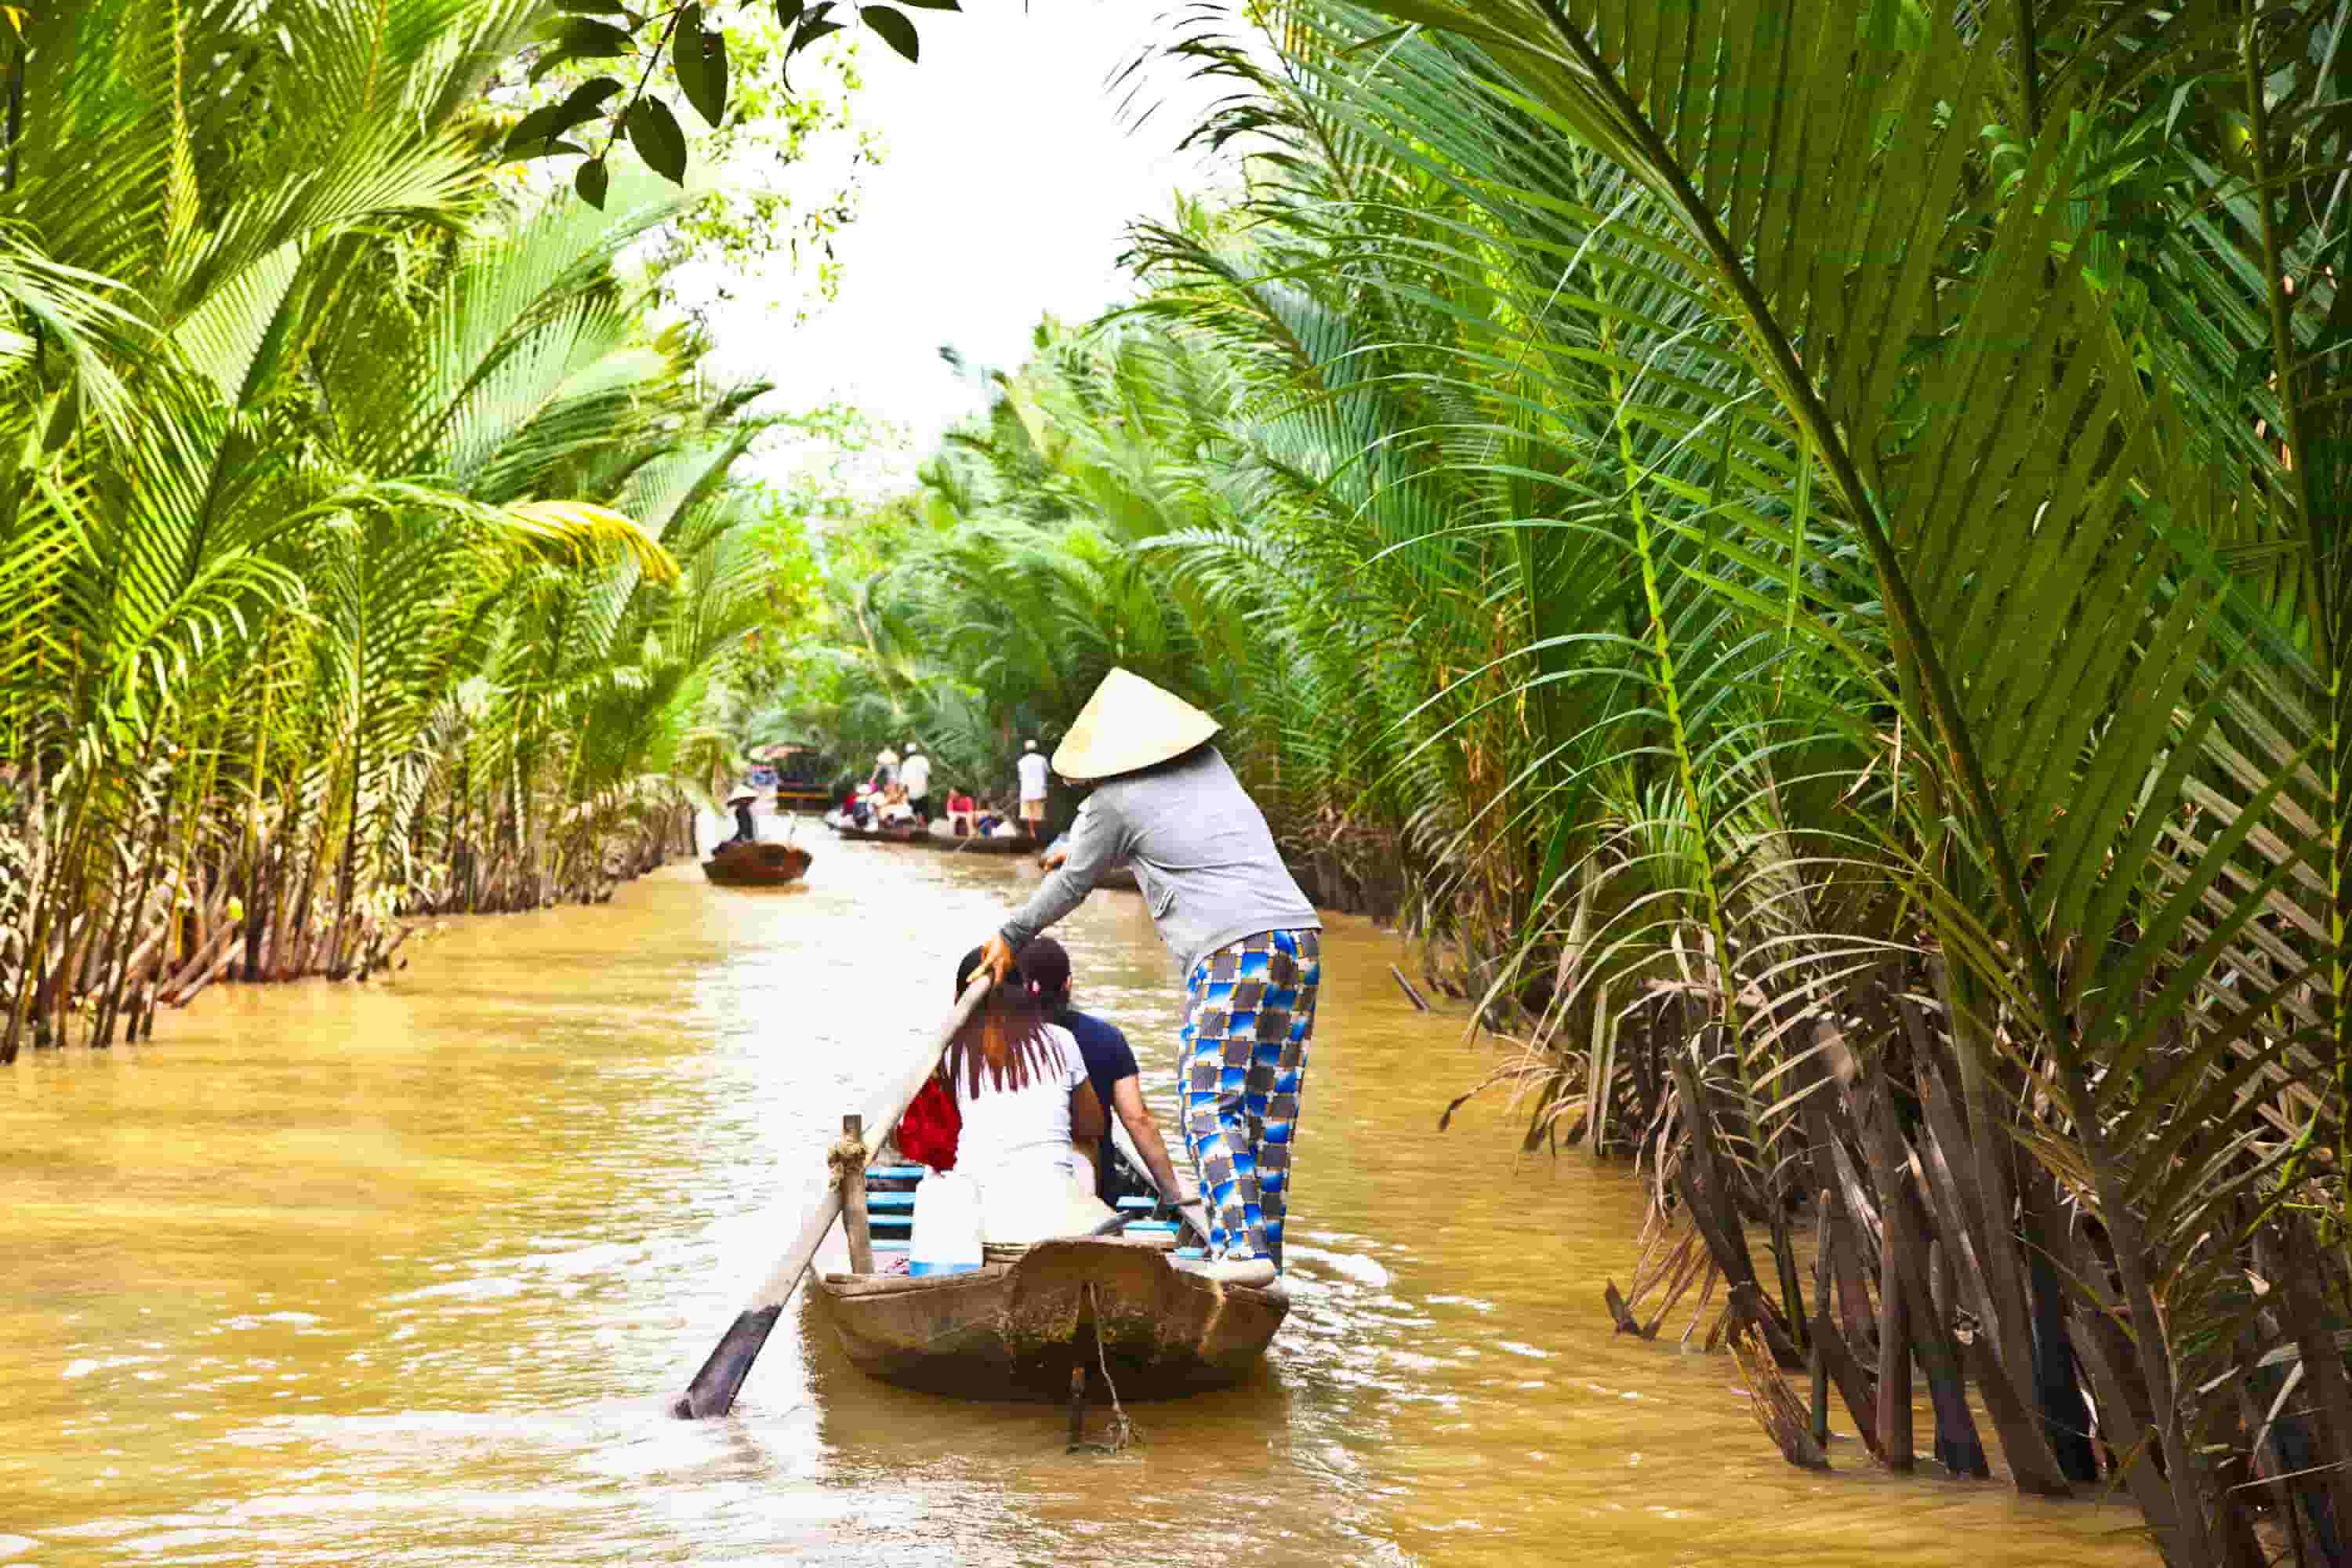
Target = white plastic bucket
(946,1239)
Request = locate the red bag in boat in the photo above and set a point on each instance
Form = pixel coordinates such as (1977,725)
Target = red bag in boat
(928,1133)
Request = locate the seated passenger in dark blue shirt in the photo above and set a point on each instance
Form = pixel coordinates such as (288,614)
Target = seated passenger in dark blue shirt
(1110,1068)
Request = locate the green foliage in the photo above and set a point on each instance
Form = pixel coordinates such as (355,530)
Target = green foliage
(1812,314)
(654,132)
(698,52)
(1767,506)
(757,204)
(893,27)
(392,535)
(700,59)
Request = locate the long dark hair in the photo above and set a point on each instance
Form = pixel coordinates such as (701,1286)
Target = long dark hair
(1005,1035)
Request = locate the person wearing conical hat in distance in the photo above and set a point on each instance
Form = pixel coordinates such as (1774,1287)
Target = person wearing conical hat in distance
(1248,946)
(740,802)
(886,770)
(1031,769)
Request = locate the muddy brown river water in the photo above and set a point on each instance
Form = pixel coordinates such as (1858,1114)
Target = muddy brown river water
(404,1275)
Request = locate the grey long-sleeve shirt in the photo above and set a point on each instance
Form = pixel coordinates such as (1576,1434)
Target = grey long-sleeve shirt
(1202,853)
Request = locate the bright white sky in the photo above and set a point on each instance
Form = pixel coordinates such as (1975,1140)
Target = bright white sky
(1009,177)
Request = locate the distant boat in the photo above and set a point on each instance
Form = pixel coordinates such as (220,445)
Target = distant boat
(931,838)
(796,772)
(973,844)
(913,833)
(739,865)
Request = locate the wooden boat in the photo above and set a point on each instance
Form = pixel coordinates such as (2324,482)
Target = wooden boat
(975,845)
(794,774)
(1019,1330)
(803,798)
(756,865)
(924,837)
(879,835)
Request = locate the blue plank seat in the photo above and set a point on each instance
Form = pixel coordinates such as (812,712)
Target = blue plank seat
(890,1204)
(1141,1205)
(891,1208)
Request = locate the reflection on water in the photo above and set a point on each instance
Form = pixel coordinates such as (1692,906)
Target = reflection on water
(405,1274)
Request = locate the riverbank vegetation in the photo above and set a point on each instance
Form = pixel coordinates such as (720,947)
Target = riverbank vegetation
(1795,548)
(1802,542)
(365,533)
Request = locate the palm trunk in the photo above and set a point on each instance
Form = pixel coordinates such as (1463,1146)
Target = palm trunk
(28,995)
(129,912)
(343,876)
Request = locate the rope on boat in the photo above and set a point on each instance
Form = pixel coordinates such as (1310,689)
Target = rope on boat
(1123,1431)
(846,1161)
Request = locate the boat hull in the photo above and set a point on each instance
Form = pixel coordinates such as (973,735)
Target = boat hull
(880,836)
(756,865)
(809,802)
(924,839)
(975,845)
(1015,1332)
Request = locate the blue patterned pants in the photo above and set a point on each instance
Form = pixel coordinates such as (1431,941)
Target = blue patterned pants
(1249,1012)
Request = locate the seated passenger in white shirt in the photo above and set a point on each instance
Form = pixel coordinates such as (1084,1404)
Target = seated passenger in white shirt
(1029,1113)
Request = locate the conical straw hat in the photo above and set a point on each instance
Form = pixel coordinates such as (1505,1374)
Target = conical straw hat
(1128,724)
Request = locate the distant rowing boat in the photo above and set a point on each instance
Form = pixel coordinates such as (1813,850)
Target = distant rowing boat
(756,865)
(1119,879)
(912,835)
(924,837)
(975,845)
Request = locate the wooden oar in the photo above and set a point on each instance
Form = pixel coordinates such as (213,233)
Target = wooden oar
(713,1390)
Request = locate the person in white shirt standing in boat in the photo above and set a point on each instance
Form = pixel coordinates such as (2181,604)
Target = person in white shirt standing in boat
(914,773)
(1031,769)
(1246,942)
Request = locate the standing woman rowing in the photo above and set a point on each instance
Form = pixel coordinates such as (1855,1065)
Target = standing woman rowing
(1246,942)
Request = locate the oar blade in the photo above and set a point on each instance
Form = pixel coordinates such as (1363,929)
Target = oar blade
(713,1390)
